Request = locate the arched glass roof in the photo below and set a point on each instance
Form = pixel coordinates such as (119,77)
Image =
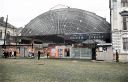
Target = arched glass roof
(66,21)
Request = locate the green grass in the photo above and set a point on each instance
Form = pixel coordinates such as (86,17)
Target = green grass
(52,70)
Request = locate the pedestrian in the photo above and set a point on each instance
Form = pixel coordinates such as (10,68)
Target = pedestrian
(7,54)
(32,54)
(10,54)
(15,54)
(48,53)
(39,55)
(117,56)
(68,53)
(4,54)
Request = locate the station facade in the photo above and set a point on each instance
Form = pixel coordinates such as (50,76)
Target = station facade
(69,33)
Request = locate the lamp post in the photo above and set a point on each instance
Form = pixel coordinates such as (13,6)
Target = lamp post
(6,24)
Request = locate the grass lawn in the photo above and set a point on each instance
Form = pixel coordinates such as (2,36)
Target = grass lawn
(53,70)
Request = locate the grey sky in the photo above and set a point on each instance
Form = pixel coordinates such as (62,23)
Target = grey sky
(20,12)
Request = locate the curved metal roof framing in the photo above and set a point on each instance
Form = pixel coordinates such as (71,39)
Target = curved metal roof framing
(66,21)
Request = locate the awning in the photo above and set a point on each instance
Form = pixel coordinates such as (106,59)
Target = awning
(97,41)
(88,42)
(124,13)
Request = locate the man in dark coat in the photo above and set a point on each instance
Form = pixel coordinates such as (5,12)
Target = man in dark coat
(39,55)
(117,56)
(15,54)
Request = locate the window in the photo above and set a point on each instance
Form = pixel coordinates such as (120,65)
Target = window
(100,49)
(114,0)
(125,22)
(124,3)
(125,43)
(82,37)
(94,37)
(8,35)
(1,34)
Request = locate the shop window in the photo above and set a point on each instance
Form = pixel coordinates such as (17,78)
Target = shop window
(94,37)
(100,49)
(105,49)
(82,38)
(125,44)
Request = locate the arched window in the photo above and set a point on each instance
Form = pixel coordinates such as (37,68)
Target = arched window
(125,22)
(124,15)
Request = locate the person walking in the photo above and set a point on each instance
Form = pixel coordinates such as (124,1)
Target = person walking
(15,54)
(39,55)
(5,54)
(117,56)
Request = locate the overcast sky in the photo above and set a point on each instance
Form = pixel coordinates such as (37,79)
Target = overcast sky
(20,12)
